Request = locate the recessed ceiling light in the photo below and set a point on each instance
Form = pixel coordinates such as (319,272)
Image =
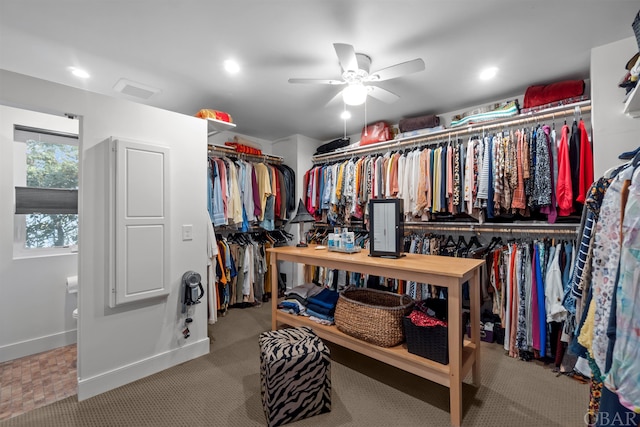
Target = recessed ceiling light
(79,73)
(231,66)
(488,73)
(345,115)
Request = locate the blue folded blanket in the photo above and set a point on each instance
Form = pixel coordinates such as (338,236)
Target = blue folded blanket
(320,309)
(289,306)
(320,315)
(327,299)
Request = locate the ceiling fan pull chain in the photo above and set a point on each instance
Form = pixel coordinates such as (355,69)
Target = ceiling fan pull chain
(344,120)
(365,117)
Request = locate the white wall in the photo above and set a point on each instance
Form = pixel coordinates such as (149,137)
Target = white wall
(613,131)
(35,308)
(118,346)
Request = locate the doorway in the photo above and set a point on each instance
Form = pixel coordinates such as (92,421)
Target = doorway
(39,156)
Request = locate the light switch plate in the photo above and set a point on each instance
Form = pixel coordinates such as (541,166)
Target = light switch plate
(187,232)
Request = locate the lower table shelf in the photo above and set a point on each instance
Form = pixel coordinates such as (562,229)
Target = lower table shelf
(397,356)
(464,356)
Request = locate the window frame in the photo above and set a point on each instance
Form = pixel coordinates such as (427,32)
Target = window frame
(19,180)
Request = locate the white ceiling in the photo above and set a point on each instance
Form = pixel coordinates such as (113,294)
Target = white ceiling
(178,46)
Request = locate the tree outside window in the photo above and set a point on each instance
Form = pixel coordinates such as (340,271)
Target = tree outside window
(51,166)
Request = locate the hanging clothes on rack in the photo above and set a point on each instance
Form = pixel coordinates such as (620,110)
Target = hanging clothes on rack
(212,255)
(242,268)
(241,193)
(624,353)
(519,173)
(606,332)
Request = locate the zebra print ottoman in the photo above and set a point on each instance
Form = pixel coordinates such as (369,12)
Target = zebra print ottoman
(295,375)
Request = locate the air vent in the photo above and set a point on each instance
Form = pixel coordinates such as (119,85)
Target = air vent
(135,89)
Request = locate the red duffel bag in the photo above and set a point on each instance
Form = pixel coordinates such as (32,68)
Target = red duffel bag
(376,132)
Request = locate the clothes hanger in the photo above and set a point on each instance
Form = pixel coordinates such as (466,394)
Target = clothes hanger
(462,243)
(450,243)
(495,241)
(474,242)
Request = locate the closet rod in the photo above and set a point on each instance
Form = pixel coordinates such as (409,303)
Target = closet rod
(212,149)
(566,230)
(454,133)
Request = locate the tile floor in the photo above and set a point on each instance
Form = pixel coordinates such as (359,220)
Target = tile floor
(37,380)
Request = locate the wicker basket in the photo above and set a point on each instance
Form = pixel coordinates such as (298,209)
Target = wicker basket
(372,316)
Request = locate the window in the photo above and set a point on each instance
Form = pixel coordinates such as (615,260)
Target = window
(46,184)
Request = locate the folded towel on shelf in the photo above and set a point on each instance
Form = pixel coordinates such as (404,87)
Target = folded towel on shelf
(486,113)
(312,313)
(421,122)
(546,94)
(319,309)
(305,290)
(293,307)
(327,298)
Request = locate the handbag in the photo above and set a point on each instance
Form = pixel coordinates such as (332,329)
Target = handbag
(376,132)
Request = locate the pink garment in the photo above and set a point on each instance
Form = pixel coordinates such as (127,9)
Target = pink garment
(373,180)
(519,198)
(419,318)
(535,318)
(428,178)
(222,170)
(449,179)
(306,190)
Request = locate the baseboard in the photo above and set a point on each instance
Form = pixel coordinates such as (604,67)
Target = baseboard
(101,383)
(37,345)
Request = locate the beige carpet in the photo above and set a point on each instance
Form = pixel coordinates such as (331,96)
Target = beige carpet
(222,389)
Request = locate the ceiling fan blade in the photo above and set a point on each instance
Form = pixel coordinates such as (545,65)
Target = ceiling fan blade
(382,94)
(346,56)
(397,70)
(318,81)
(337,98)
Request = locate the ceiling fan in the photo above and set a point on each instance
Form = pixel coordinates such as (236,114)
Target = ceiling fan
(357,77)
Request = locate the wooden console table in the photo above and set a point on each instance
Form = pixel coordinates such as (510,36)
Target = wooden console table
(435,270)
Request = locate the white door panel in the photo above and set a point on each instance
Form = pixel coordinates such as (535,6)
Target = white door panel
(144,185)
(140,221)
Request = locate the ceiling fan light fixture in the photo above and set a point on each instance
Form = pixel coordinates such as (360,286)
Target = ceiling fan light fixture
(231,66)
(78,72)
(354,94)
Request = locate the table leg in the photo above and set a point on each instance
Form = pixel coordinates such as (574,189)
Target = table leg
(476,303)
(455,354)
(274,291)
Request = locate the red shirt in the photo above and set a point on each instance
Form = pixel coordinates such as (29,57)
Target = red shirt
(586,164)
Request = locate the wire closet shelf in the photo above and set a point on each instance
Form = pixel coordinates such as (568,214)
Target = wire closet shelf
(575,109)
(219,150)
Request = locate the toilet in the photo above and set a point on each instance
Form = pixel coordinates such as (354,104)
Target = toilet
(72,288)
